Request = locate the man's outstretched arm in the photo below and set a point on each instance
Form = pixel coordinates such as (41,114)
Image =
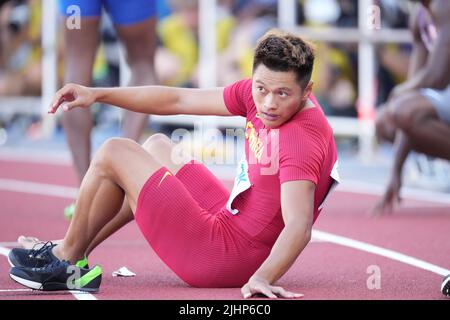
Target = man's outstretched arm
(297,206)
(146,99)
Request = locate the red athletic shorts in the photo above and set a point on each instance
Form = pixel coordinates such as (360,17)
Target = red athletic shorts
(184,219)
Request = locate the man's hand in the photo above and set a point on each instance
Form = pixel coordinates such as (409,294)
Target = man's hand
(71,96)
(257,285)
(391,197)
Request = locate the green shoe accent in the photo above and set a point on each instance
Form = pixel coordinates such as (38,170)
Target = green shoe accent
(88,277)
(69,211)
(82,263)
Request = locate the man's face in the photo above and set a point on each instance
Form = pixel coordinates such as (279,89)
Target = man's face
(277,95)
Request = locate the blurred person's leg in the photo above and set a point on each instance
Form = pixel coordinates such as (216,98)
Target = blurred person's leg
(80,47)
(424,117)
(135,23)
(5,33)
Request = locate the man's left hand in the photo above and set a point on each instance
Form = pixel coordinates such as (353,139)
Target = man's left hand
(260,286)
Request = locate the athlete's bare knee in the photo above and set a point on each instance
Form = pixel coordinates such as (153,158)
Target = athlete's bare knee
(109,151)
(384,129)
(384,132)
(411,110)
(401,112)
(166,152)
(157,142)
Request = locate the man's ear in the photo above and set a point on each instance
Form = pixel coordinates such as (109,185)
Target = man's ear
(308,89)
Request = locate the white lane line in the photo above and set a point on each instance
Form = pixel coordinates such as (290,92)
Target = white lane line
(38,188)
(9,244)
(16,290)
(359,245)
(83,295)
(77,294)
(32,156)
(4,251)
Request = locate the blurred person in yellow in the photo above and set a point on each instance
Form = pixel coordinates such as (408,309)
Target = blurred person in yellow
(177,58)
(334,71)
(20,49)
(253,19)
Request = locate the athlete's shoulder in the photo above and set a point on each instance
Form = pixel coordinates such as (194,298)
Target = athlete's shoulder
(440,10)
(414,23)
(313,131)
(311,117)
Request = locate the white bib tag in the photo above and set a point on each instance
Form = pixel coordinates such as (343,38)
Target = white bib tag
(336,180)
(241,183)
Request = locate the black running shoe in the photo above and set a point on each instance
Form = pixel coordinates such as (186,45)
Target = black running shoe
(33,258)
(58,275)
(37,258)
(445,288)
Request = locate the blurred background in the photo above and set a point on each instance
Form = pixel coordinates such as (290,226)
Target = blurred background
(362,52)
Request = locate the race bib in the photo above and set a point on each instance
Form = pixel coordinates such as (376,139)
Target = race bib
(241,183)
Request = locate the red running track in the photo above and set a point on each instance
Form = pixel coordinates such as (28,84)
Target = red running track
(325,270)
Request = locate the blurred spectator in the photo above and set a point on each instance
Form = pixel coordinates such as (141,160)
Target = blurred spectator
(20,59)
(393,58)
(254,18)
(246,10)
(334,73)
(334,80)
(348,14)
(321,13)
(394,13)
(177,59)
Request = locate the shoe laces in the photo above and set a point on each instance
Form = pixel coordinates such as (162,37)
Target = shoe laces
(35,252)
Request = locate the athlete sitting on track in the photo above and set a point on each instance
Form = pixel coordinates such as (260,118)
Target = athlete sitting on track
(208,237)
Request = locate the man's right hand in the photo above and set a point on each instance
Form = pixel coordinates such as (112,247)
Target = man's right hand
(71,96)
